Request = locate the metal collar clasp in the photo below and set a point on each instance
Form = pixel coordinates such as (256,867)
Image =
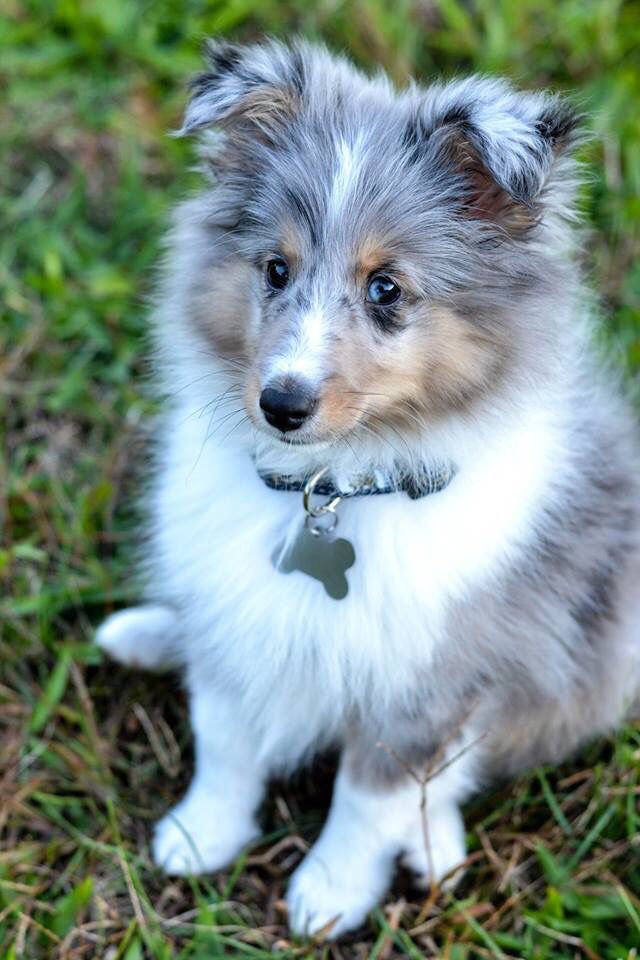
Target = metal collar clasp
(325,510)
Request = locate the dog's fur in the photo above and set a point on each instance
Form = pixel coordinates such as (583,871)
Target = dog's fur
(498,620)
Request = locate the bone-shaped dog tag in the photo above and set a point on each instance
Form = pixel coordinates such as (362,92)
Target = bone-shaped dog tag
(317,554)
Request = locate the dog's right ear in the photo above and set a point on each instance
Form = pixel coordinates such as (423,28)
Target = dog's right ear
(250,91)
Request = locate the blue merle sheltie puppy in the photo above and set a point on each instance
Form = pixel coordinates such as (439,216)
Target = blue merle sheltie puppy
(394,500)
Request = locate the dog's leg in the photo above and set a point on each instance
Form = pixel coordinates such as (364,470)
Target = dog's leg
(216,818)
(351,865)
(435,845)
(145,636)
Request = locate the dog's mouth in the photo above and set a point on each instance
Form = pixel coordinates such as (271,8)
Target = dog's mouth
(294,439)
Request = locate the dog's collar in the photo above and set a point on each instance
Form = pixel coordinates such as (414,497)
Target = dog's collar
(416,485)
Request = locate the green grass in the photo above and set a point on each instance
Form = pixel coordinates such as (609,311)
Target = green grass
(89,759)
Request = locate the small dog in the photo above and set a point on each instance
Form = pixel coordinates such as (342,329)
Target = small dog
(395,498)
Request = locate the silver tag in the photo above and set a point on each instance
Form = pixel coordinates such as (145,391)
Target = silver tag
(316,553)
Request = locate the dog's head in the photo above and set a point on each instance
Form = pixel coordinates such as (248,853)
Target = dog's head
(381,258)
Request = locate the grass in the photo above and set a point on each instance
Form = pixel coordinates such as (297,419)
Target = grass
(91,755)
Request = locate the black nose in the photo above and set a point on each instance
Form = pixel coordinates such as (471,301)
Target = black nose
(287,409)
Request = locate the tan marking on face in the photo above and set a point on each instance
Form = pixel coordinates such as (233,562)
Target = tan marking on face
(372,255)
(290,244)
(440,362)
(223,305)
(463,360)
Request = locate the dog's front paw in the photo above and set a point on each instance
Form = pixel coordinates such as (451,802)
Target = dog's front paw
(436,857)
(331,899)
(194,838)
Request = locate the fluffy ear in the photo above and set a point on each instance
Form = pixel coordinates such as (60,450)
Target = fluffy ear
(247,89)
(503,143)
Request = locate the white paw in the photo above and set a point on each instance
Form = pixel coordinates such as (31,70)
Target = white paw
(144,636)
(200,838)
(331,900)
(444,852)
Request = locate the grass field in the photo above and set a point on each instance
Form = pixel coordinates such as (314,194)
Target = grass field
(91,755)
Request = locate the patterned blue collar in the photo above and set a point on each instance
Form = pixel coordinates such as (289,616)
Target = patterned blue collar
(416,486)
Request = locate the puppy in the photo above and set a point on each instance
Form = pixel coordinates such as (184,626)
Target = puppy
(394,506)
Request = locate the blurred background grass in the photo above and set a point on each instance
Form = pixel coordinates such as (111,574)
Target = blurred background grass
(89,90)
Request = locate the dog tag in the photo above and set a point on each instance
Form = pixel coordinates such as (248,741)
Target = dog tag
(316,553)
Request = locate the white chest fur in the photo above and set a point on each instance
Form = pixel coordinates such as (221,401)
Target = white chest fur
(279,639)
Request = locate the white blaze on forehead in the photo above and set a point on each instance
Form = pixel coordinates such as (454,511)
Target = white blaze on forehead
(305,348)
(305,351)
(346,173)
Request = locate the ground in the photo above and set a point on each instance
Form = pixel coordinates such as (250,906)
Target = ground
(93,755)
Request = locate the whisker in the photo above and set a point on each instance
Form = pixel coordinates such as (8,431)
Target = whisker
(378,436)
(222,422)
(237,364)
(237,361)
(345,439)
(202,446)
(409,413)
(235,427)
(363,393)
(219,402)
(214,400)
(388,426)
(185,386)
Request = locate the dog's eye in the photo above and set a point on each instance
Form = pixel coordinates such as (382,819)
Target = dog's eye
(277,273)
(383,290)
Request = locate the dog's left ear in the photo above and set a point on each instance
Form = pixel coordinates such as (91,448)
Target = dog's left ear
(250,91)
(504,145)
